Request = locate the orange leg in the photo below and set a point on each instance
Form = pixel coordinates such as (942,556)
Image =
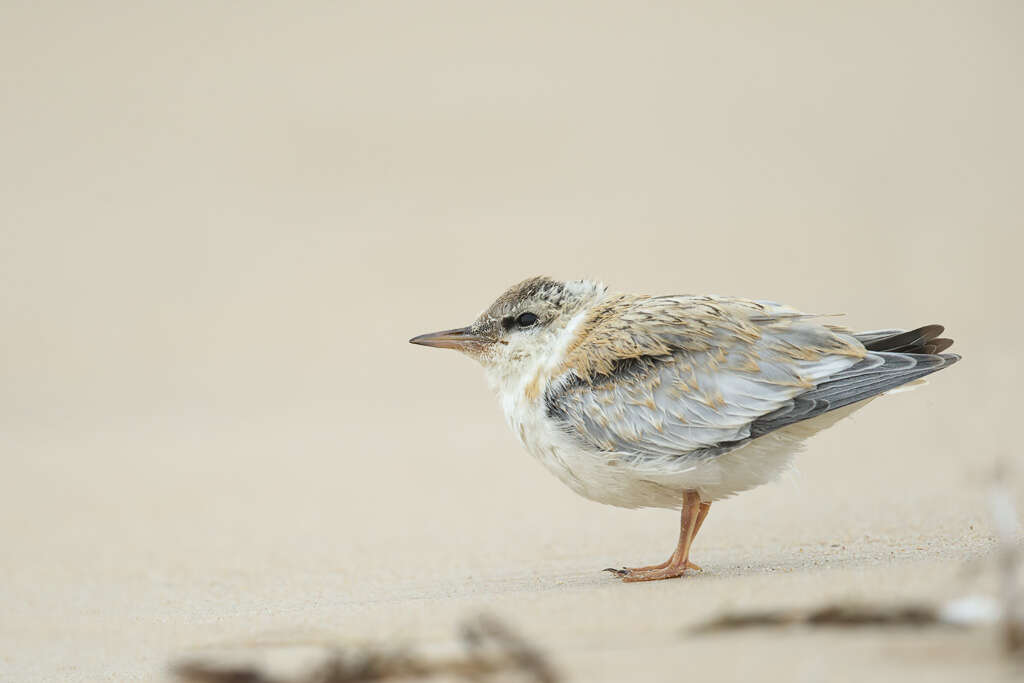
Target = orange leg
(691,519)
(704,507)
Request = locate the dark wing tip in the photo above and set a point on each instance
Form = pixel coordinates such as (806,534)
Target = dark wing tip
(937,346)
(922,340)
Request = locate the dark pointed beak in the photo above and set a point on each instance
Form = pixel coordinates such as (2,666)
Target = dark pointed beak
(460,339)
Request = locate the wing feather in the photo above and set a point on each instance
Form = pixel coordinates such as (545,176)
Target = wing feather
(657,378)
(876,374)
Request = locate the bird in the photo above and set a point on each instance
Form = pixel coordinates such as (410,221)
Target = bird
(676,401)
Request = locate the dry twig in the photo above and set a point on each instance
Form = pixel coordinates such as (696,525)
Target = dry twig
(489,647)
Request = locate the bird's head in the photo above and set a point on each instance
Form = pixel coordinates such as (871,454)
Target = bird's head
(525,329)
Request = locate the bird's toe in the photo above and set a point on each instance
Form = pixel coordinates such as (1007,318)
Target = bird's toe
(667,570)
(654,574)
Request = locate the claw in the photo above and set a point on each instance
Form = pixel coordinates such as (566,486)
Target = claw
(617,572)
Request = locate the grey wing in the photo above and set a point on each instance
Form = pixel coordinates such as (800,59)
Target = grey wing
(709,403)
(877,373)
(686,402)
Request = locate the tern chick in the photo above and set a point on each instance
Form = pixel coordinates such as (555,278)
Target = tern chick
(675,401)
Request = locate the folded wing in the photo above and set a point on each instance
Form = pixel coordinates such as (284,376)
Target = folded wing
(703,375)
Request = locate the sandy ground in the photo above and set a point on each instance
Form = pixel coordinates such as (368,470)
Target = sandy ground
(219,226)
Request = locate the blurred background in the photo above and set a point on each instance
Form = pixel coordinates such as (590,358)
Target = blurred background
(221,222)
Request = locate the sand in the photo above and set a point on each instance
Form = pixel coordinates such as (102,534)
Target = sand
(219,226)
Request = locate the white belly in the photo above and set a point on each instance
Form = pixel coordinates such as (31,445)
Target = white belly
(612,479)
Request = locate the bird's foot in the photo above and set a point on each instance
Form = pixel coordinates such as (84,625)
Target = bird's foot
(665,570)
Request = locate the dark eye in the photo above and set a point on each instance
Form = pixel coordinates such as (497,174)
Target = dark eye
(526,320)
